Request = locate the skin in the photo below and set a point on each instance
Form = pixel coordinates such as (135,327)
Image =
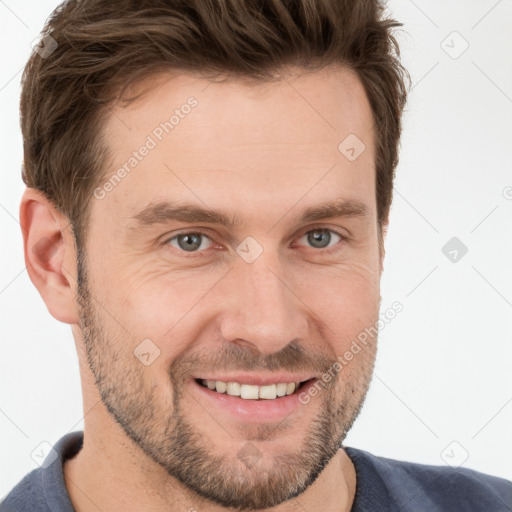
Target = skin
(264,154)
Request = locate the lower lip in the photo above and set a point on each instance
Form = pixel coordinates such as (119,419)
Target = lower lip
(256,411)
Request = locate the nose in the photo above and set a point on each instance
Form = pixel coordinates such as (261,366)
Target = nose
(263,310)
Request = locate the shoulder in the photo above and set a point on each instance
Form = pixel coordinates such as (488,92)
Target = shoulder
(44,488)
(26,495)
(411,486)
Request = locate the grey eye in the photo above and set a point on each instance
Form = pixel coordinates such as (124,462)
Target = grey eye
(189,242)
(320,238)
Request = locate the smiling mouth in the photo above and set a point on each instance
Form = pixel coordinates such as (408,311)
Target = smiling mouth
(253,392)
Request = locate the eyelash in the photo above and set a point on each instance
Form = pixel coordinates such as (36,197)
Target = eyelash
(195,254)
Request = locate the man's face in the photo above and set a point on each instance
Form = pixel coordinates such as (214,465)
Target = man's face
(171,302)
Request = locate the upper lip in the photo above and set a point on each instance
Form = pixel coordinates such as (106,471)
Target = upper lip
(257,380)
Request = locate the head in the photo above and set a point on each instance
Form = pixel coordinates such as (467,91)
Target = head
(211,186)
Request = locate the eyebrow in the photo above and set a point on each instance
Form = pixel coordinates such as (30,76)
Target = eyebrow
(347,208)
(166,211)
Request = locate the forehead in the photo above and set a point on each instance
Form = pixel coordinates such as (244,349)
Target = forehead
(242,145)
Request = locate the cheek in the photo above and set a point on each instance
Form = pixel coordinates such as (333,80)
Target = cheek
(158,303)
(345,300)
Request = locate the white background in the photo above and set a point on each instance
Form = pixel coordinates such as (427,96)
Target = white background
(443,372)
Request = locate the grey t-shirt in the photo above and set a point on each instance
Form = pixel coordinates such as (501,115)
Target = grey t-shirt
(383,485)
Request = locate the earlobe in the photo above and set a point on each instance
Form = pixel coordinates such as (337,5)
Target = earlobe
(49,254)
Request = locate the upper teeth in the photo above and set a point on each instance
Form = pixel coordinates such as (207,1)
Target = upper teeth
(250,392)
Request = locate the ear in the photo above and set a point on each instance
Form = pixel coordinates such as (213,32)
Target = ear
(50,254)
(382,240)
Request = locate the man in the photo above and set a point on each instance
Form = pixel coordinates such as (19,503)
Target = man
(208,190)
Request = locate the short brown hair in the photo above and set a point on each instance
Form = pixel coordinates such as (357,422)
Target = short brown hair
(104,46)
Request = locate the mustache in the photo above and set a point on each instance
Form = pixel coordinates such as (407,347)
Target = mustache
(231,357)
